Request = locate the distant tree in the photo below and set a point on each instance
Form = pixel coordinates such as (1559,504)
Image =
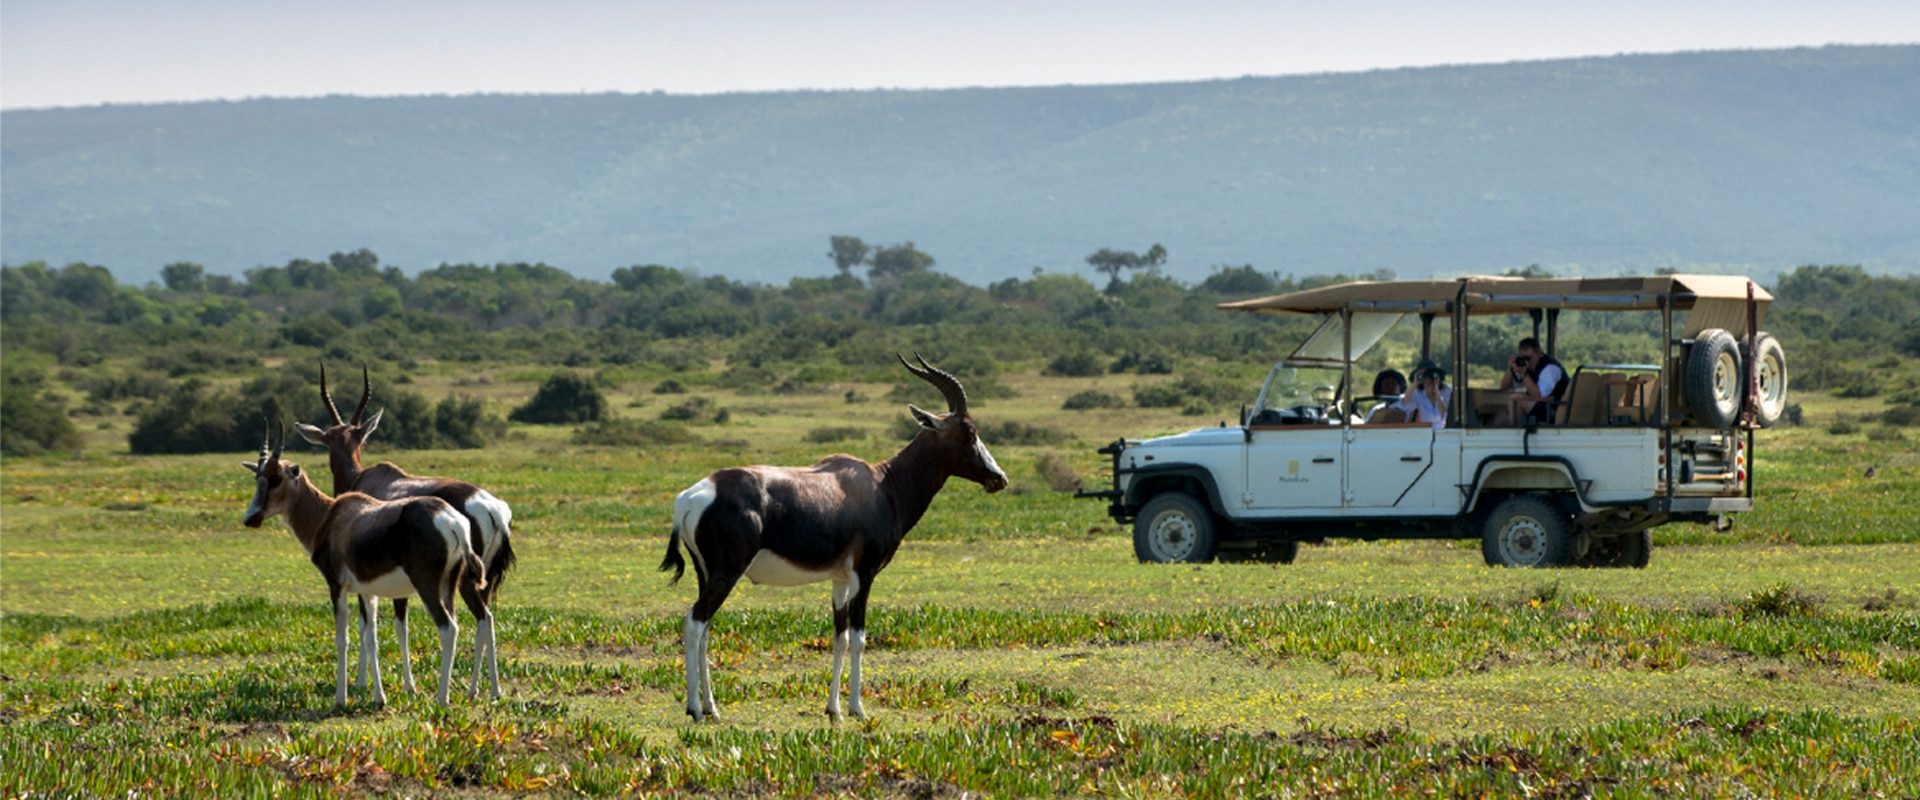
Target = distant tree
(184,276)
(85,285)
(1113,262)
(898,260)
(648,276)
(848,252)
(32,422)
(564,399)
(359,263)
(1532,271)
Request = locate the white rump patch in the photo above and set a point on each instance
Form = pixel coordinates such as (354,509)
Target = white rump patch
(688,507)
(495,518)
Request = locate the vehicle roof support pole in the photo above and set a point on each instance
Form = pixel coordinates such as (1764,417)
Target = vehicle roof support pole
(1553,331)
(1535,314)
(1426,335)
(1346,369)
(1457,317)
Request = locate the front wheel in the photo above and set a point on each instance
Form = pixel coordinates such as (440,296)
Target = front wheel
(1174,528)
(1625,550)
(1527,531)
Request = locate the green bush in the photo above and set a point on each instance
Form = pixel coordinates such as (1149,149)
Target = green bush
(32,422)
(1092,398)
(695,408)
(193,419)
(1143,364)
(411,423)
(1056,473)
(835,434)
(1081,364)
(1009,432)
(566,398)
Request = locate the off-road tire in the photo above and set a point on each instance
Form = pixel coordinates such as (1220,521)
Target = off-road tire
(1712,381)
(1527,530)
(1770,372)
(1174,527)
(1275,552)
(1625,550)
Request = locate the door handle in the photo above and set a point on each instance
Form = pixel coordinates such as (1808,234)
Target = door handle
(1326,460)
(1414,459)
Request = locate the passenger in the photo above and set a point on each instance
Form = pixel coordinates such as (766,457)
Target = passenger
(1388,384)
(1428,399)
(1534,383)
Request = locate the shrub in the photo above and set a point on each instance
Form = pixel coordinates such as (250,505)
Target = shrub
(1779,600)
(670,386)
(831,435)
(199,358)
(1082,364)
(1092,398)
(564,399)
(633,433)
(695,408)
(1843,427)
(1143,364)
(1192,393)
(1009,432)
(1056,473)
(194,420)
(1886,434)
(411,423)
(31,422)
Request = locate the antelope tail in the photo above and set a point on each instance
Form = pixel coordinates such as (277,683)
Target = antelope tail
(477,567)
(673,561)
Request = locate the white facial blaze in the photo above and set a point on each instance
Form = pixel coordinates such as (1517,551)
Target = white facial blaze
(980,452)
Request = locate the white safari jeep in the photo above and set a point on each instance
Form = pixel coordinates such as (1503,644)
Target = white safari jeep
(1626,448)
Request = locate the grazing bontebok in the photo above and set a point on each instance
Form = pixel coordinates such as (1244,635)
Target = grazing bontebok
(372,548)
(489,518)
(839,520)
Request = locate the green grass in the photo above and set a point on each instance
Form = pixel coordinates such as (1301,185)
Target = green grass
(150,644)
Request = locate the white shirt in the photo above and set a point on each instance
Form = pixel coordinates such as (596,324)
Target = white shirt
(1549,378)
(1416,401)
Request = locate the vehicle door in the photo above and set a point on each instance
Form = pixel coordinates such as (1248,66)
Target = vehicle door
(1384,461)
(1294,466)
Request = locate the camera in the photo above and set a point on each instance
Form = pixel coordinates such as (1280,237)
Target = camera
(1521,361)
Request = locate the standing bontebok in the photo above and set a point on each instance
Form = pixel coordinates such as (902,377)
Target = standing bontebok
(372,548)
(490,519)
(839,520)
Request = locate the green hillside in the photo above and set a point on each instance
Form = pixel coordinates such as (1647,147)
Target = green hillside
(1756,160)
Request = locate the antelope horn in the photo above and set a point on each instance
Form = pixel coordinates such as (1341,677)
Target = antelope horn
(331,409)
(283,440)
(266,438)
(366,393)
(948,385)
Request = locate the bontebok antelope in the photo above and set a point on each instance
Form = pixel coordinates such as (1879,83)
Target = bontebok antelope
(372,548)
(839,520)
(489,518)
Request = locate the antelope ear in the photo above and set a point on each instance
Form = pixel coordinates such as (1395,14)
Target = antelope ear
(928,421)
(310,433)
(251,467)
(367,428)
(293,471)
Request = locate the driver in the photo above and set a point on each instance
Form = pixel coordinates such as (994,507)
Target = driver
(1389,385)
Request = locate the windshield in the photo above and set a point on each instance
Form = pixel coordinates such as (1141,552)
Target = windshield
(1296,387)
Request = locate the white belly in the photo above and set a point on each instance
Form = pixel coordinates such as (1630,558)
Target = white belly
(773,570)
(392,585)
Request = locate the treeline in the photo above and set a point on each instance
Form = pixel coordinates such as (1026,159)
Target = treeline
(151,349)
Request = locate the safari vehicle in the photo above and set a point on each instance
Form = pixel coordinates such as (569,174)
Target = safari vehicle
(1629,447)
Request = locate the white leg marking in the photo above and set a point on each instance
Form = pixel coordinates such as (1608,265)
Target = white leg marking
(367,606)
(448,634)
(370,641)
(340,612)
(406,655)
(855,647)
(706,675)
(493,655)
(690,641)
(833,691)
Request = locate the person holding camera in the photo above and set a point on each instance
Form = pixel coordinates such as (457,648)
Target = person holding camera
(1534,383)
(1427,400)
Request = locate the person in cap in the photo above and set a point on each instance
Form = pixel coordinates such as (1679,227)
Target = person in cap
(1427,400)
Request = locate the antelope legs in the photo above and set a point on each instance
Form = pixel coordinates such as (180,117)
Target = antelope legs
(850,640)
(485,646)
(693,643)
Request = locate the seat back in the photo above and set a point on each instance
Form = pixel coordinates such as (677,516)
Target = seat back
(1633,405)
(1586,400)
(1389,416)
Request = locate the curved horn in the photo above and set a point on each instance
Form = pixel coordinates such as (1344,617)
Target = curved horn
(283,440)
(366,393)
(948,385)
(266,438)
(327,397)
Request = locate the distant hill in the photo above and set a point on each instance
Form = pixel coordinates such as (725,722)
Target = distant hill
(1755,160)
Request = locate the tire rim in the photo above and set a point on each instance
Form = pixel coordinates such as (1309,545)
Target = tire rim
(1523,541)
(1172,535)
(1773,383)
(1726,380)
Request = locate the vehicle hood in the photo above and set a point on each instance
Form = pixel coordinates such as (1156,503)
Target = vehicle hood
(1198,437)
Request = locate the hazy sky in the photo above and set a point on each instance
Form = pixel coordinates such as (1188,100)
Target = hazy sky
(86,52)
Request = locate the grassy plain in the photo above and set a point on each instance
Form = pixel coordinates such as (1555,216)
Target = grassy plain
(150,644)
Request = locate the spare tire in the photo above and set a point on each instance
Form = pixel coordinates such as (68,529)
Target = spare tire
(1770,367)
(1712,381)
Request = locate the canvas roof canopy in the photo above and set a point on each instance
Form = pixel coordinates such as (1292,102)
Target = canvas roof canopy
(1499,295)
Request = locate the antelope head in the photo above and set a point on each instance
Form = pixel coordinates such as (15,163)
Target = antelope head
(961,452)
(343,437)
(271,478)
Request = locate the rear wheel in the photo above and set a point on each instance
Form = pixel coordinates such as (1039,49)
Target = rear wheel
(1625,550)
(1527,531)
(1174,528)
(1711,380)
